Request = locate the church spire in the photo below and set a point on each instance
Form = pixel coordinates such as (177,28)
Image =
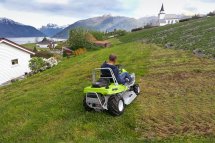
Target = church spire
(162,8)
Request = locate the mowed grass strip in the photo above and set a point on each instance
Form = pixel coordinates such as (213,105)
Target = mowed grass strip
(178,99)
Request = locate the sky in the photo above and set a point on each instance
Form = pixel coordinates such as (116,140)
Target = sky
(63,12)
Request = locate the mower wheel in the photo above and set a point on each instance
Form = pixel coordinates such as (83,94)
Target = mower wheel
(116,105)
(86,107)
(136,89)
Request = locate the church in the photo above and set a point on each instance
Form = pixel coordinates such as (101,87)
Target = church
(165,19)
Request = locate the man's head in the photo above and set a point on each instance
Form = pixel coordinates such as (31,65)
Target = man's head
(112,58)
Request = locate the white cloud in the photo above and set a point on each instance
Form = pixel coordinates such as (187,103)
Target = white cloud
(63,2)
(40,12)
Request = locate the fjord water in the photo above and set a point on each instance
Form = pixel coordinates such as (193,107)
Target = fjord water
(26,40)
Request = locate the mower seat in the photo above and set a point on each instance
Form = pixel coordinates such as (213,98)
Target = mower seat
(101,83)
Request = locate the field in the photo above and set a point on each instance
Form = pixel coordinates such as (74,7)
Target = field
(191,35)
(30,46)
(176,104)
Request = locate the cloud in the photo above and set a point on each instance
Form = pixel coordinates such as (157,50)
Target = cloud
(209,1)
(61,2)
(191,8)
(63,12)
(74,8)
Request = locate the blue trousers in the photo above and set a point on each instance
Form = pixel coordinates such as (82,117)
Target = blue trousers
(124,76)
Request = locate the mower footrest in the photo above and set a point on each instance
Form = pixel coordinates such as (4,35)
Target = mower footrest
(129,97)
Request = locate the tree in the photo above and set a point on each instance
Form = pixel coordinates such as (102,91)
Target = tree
(211,14)
(35,49)
(196,16)
(78,39)
(120,32)
(98,35)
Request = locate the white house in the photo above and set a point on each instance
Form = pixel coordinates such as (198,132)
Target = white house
(14,60)
(46,43)
(165,19)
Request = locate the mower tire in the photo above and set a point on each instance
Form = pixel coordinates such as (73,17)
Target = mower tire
(116,105)
(136,89)
(86,107)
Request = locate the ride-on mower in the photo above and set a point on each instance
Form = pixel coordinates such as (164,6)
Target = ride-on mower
(107,94)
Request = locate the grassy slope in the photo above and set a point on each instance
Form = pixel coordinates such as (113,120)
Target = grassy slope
(30,45)
(176,103)
(191,35)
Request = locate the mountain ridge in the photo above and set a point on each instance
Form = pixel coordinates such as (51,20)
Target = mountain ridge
(51,29)
(12,29)
(107,23)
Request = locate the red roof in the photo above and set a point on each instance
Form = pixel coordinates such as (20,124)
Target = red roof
(11,43)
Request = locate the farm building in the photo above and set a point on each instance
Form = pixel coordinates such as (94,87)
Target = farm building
(102,43)
(14,60)
(46,43)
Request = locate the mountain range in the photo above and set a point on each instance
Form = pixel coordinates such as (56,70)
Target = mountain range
(107,23)
(12,29)
(51,29)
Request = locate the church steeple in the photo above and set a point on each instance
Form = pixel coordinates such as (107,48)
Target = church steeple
(162,9)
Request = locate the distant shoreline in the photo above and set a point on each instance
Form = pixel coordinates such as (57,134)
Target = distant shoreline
(27,40)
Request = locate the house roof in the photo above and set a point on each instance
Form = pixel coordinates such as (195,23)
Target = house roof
(67,49)
(171,16)
(101,42)
(45,41)
(15,45)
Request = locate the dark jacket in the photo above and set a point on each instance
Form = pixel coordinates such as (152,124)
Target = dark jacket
(106,73)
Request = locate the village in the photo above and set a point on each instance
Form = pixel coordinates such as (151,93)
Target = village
(16,57)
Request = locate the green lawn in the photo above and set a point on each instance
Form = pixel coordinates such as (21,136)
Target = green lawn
(30,45)
(176,104)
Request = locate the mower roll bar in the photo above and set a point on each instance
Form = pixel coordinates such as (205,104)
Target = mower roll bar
(111,72)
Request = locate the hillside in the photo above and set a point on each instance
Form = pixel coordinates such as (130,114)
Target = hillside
(107,23)
(176,103)
(192,35)
(51,29)
(12,29)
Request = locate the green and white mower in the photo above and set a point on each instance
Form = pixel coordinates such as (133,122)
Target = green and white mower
(107,94)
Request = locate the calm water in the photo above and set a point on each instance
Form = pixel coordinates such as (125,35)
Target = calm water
(25,40)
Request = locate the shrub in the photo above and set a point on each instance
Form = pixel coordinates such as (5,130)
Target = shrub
(116,33)
(49,63)
(148,26)
(44,54)
(184,20)
(80,51)
(36,64)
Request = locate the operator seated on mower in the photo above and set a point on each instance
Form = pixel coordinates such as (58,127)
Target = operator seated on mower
(122,78)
